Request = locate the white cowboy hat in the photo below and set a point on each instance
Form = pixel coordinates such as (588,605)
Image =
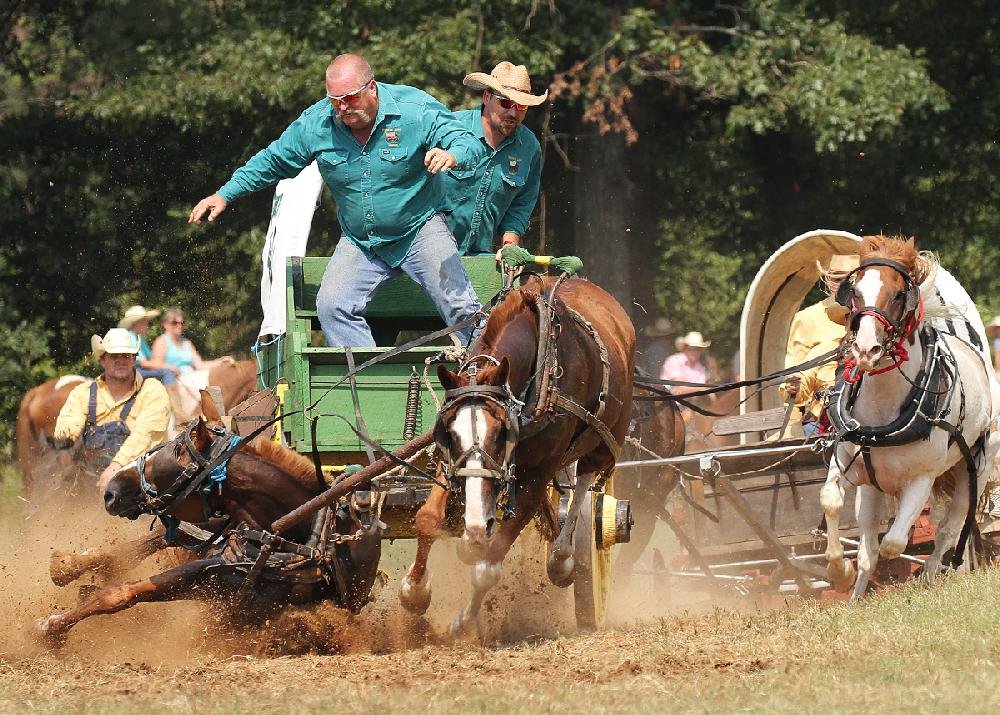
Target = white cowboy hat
(134,314)
(694,339)
(117,341)
(507,80)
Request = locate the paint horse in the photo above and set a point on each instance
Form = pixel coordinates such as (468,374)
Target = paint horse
(549,385)
(206,471)
(915,406)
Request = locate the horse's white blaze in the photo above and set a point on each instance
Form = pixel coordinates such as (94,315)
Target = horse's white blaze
(478,509)
(869,286)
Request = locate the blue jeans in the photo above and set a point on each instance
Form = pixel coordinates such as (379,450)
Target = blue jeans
(164,375)
(351,279)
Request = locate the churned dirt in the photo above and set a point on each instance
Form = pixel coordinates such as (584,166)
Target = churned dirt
(186,646)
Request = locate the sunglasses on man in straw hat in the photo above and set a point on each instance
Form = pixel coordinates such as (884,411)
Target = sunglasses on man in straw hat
(509,83)
(116,341)
(134,314)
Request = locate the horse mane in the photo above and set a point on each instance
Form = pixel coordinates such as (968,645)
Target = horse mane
(292,463)
(516,302)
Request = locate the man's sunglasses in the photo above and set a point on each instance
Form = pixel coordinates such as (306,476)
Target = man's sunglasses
(508,103)
(350,97)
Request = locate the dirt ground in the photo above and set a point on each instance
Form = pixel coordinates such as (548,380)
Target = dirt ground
(186,648)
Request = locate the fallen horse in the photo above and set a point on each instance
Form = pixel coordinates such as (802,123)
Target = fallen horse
(206,471)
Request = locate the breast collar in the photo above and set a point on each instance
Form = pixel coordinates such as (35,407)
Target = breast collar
(924,407)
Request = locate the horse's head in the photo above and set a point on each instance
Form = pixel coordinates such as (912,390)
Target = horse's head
(476,432)
(157,482)
(883,298)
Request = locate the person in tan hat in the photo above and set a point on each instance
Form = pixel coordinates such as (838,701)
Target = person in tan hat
(688,363)
(136,321)
(498,195)
(993,332)
(119,415)
(815,330)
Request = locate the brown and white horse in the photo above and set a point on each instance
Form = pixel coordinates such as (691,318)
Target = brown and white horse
(494,453)
(262,482)
(883,405)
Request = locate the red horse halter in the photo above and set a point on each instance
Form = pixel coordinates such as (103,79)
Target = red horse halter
(897,332)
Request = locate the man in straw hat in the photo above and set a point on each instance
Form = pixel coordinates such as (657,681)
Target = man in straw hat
(377,147)
(498,195)
(687,364)
(815,330)
(119,415)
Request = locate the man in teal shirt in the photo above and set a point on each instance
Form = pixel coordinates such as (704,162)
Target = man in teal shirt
(497,195)
(377,147)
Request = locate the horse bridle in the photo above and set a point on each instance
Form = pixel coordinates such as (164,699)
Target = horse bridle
(203,467)
(897,331)
(455,468)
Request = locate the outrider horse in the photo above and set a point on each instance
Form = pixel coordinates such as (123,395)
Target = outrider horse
(44,470)
(548,385)
(915,406)
(206,472)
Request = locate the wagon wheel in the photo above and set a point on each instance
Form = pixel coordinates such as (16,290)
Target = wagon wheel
(592,576)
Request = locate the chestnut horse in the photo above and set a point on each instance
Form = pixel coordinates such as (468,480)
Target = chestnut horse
(914,407)
(44,468)
(261,482)
(656,430)
(530,402)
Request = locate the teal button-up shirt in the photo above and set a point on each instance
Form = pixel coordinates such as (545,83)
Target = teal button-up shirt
(383,191)
(496,196)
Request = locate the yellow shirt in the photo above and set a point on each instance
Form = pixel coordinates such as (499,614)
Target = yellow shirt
(812,334)
(147,422)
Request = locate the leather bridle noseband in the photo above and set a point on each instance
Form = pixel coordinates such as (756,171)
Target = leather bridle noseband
(210,467)
(898,332)
(502,470)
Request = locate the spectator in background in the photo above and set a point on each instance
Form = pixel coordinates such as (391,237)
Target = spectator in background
(136,321)
(993,332)
(656,346)
(175,352)
(688,363)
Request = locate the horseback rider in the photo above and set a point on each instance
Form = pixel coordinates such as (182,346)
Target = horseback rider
(816,330)
(119,415)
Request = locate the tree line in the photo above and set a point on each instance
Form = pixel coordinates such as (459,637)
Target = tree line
(684,142)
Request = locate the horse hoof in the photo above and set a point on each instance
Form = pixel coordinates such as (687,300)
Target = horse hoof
(50,634)
(415,597)
(561,571)
(459,624)
(842,578)
(62,568)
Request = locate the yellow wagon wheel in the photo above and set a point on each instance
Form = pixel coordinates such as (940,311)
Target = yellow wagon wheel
(603,522)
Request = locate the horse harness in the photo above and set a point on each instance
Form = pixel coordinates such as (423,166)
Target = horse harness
(539,403)
(926,406)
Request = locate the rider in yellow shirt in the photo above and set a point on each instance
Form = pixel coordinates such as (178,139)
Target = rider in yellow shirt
(816,330)
(120,415)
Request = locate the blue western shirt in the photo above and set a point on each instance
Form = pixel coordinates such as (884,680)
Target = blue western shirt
(498,194)
(383,191)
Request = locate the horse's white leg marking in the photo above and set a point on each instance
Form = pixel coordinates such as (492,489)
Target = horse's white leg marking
(912,498)
(951,522)
(831,498)
(485,575)
(415,595)
(867,510)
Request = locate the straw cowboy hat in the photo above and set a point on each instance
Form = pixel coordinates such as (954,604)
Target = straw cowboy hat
(659,329)
(134,314)
(840,265)
(507,80)
(694,339)
(117,341)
